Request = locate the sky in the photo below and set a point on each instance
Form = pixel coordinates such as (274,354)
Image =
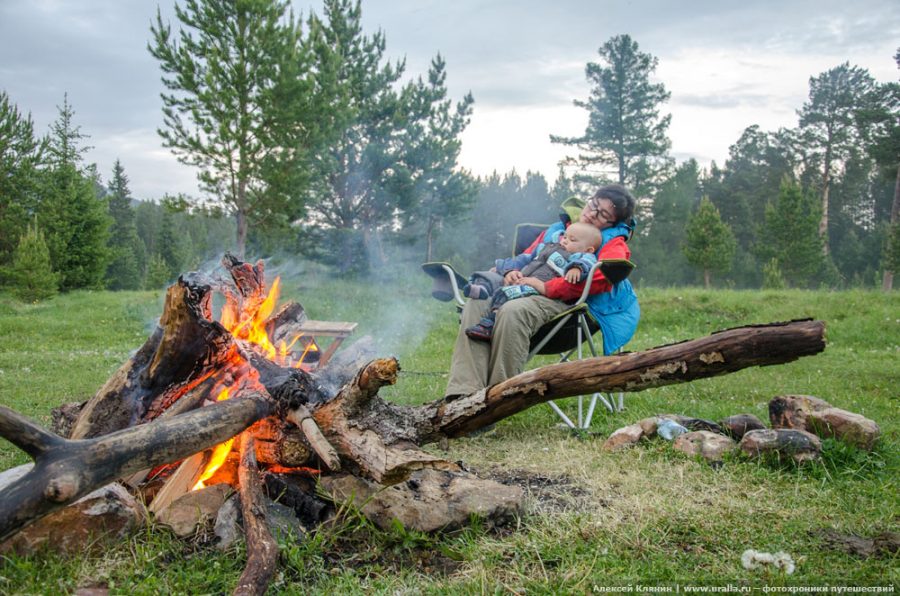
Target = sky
(727,64)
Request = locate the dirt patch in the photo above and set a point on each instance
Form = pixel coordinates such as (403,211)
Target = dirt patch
(545,493)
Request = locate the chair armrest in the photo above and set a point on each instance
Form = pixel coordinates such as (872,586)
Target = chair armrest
(587,284)
(457,292)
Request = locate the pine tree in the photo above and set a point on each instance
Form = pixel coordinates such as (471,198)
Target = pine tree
(31,276)
(241,105)
(393,155)
(126,248)
(829,126)
(791,235)
(625,131)
(709,243)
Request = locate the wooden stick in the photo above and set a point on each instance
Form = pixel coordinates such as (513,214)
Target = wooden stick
(262,550)
(303,419)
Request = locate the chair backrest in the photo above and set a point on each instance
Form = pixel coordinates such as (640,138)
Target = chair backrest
(525,235)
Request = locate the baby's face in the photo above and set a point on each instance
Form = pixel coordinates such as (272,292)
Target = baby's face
(573,243)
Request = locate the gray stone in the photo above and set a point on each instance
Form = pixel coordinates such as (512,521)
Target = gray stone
(798,444)
(429,500)
(623,437)
(851,428)
(739,425)
(98,518)
(228,523)
(709,445)
(283,523)
(194,509)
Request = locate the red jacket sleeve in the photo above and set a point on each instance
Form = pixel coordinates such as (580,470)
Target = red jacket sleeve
(559,289)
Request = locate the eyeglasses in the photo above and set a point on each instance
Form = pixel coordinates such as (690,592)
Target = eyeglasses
(597,212)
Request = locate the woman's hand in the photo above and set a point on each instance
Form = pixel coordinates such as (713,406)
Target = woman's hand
(534,283)
(512,278)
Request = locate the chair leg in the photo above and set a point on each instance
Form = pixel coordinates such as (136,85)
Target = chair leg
(562,414)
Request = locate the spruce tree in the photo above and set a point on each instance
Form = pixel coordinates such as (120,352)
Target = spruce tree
(158,274)
(21,156)
(709,242)
(170,248)
(70,210)
(31,276)
(126,248)
(791,235)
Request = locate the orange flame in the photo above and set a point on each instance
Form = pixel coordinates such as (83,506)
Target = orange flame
(253,329)
(219,454)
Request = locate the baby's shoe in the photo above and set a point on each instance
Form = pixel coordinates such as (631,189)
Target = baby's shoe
(482,331)
(476,292)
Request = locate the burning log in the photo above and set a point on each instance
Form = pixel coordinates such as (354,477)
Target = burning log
(191,360)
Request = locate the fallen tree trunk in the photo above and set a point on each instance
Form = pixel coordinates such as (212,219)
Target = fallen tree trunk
(377,436)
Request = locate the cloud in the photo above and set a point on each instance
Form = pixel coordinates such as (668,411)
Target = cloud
(727,63)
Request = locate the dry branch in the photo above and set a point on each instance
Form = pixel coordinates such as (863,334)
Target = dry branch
(65,470)
(262,550)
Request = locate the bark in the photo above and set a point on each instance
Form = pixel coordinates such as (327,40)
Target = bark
(262,550)
(888,279)
(65,470)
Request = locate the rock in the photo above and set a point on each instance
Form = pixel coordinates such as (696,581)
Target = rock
(799,444)
(429,500)
(283,523)
(194,509)
(623,437)
(695,423)
(737,426)
(98,518)
(817,416)
(851,428)
(228,523)
(708,445)
(791,411)
(648,426)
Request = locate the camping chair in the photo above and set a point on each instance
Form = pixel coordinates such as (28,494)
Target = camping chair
(564,335)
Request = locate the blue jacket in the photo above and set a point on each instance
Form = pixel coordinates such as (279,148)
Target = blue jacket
(617,311)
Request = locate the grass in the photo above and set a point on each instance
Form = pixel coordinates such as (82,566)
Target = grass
(645,515)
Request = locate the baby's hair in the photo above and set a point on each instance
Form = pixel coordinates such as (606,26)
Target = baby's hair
(588,233)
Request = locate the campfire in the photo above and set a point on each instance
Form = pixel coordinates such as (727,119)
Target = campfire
(248,396)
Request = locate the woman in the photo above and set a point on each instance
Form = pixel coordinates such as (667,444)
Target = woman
(477,365)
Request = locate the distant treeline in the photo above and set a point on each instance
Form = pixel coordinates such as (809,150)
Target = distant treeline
(326,154)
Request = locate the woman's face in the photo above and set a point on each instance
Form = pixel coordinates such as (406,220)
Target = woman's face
(600,213)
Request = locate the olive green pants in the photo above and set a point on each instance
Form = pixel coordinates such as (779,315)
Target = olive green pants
(476,365)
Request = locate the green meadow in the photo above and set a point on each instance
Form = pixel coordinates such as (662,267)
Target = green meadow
(593,519)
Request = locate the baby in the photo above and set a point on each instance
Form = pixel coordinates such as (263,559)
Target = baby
(572,257)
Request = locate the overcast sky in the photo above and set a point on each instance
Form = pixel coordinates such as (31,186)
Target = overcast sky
(728,64)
